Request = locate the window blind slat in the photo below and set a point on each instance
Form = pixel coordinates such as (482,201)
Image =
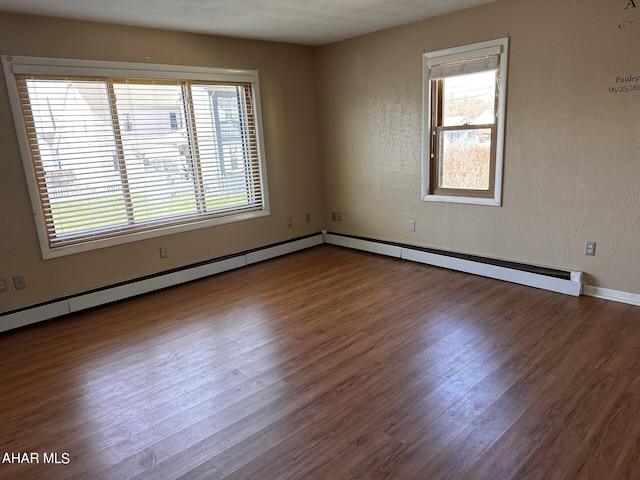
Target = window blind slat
(116,156)
(464,67)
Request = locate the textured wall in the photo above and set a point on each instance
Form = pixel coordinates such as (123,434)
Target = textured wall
(287,81)
(572,154)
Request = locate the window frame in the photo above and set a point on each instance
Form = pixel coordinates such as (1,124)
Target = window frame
(432,106)
(23,65)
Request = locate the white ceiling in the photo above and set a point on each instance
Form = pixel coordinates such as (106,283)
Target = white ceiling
(307,22)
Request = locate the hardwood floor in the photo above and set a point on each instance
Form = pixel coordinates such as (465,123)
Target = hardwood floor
(328,364)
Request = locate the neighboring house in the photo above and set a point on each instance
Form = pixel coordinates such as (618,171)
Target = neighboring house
(67,130)
(456,137)
(473,136)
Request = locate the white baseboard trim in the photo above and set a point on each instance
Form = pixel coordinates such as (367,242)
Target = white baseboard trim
(140,287)
(365,245)
(283,249)
(546,282)
(614,295)
(31,315)
(134,288)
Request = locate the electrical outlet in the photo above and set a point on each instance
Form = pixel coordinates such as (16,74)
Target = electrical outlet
(19,283)
(307,217)
(163,252)
(339,216)
(590,248)
(3,285)
(289,222)
(412,226)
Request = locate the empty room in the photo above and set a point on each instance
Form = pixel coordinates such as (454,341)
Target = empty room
(320,240)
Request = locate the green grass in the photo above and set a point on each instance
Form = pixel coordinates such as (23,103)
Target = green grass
(77,216)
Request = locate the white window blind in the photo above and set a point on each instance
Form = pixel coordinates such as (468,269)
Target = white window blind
(464,67)
(113,157)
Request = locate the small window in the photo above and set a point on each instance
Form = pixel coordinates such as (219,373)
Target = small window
(465,92)
(96,181)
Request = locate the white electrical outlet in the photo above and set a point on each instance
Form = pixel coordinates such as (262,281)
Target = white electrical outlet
(19,283)
(590,248)
(412,225)
(3,285)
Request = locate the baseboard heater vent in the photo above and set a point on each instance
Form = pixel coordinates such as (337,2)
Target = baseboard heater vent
(140,286)
(560,281)
(549,279)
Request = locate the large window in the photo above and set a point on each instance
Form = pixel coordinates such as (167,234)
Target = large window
(465,92)
(117,152)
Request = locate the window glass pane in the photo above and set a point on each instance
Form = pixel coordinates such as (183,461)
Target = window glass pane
(156,152)
(76,149)
(223,145)
(465,159)
(469,99)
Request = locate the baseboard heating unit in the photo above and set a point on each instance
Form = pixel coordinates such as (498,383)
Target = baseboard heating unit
(560,281)
(133,288)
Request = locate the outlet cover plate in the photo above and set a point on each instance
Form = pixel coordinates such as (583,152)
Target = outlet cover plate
(19,283)
(590,248)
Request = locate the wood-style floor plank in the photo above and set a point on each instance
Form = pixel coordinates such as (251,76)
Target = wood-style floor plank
(328,364)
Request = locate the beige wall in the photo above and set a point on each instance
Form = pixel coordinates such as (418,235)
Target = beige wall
(572,155)
(287,81)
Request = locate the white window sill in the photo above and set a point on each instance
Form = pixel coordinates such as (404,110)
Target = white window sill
(492,202)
